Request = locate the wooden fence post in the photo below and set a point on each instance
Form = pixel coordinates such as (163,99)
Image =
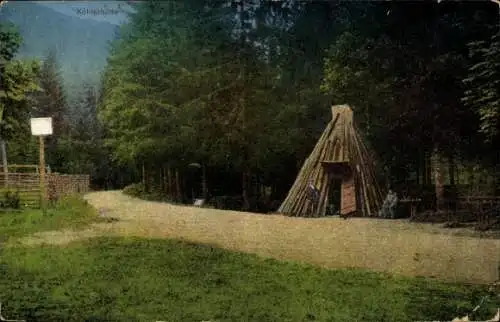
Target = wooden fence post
(43,190)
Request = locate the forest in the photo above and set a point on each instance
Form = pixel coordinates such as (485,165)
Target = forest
(224,100)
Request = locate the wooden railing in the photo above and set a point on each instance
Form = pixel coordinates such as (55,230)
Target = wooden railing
(486,209)
(28,186)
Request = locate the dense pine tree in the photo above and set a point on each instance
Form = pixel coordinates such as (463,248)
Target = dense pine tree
(51,102)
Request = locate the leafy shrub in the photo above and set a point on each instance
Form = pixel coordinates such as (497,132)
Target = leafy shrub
(139,191)
(12,200)
(135,190)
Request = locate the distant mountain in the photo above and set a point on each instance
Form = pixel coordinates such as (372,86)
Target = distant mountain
(82,45)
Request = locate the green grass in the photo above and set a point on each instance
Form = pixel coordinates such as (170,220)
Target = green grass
(69,212)
(118,279)
(131,279)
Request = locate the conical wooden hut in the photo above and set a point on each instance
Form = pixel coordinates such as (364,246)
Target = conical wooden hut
(340,160)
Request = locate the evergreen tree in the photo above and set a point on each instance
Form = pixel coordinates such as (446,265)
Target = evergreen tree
(17,81)
(51,102)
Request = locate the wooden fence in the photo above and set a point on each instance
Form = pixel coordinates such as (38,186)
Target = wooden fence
(28,186)
(60,185)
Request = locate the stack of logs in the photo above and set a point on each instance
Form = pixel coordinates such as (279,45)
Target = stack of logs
(340,143)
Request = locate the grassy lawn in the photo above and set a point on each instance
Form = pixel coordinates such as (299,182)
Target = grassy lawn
(70,212)
(119,279)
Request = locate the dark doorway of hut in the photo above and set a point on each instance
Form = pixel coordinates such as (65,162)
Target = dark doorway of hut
(334,196)
(342,190)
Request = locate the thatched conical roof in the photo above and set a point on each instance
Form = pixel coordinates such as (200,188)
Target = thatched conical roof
(339,145)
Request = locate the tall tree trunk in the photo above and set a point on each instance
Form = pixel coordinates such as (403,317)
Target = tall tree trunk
(161,175)
(419,167)
(453,188)
(497,173)
(158,178)
(425,170)
(146,180)
(204,181)
(471,175)
(4,162)
(452,169)
(170,185)
(428,169)
(438,180)
(165,180)
(245,172)
(273,192)
(184,185)
(143,175)
(257,188)
(178,185)
(244,191)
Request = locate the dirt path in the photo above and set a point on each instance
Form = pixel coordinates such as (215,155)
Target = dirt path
(392,246)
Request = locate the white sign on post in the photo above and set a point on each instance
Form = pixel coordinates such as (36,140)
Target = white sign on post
(41,126)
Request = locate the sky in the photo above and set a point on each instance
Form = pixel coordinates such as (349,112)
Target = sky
(108,11)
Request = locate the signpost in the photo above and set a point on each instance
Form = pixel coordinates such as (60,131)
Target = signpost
(42,127)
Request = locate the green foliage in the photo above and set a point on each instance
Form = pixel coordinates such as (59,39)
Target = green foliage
(18,198)
(360,71)
(17,81)
(135,190)
(86,135)
(12,200)
(10,41)
(180,281)
(23,148)
(406,90)
(483,93)
(51,102)
(241,89)
(138,190)
(209,96)
(248,88)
